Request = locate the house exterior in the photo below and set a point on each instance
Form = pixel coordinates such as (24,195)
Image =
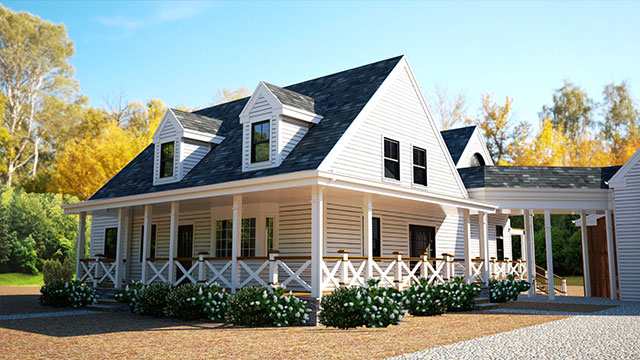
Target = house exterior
(316,185)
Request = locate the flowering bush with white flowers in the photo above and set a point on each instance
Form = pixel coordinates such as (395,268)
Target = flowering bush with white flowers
(369,305)
(423,300)
(183,302)
(257,306)
(60,293)
(460,296)
(152,300)
(213,300)
(507,289)
(129,295)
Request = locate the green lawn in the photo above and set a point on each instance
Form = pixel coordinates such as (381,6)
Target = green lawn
(17,279)
(574,281)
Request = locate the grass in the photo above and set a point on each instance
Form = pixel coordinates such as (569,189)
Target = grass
(574,280)
(18,279)
(125,335)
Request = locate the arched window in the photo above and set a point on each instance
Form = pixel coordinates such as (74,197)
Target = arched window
(477,160)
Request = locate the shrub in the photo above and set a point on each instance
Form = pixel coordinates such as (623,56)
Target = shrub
(242,310)
(459,295)
(60,293)
(283,309)
(55,270)
(213,300)
(183,304)
(335,314)
(152,300)
(129,295)
(423,300)
(507,289)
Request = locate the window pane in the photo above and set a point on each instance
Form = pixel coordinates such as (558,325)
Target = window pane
(419,175)
(166,160)
(394,150)
(375,227)
(419,157)
(224,238)
(110,240)
(261,152)
(269,233)
(392,169)
(248,239)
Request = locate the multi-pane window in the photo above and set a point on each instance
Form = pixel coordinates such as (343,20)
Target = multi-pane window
(375,227)
(224,238)
(248,238)
(110,241)
(499,243)
(419,166)
(166,160)
(391,159)
(260,141)
(269,230)
(152,249)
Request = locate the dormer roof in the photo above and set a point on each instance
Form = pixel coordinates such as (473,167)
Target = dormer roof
(292,98)
(457,140)
(201,123)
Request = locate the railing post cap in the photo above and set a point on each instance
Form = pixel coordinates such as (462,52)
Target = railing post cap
(344,251)
(203,253)
(397,253)
(447,254)
(424,254)
(273,251)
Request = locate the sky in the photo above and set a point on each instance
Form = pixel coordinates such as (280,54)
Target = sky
(184,52)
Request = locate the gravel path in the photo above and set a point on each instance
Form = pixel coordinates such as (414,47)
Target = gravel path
(606,334)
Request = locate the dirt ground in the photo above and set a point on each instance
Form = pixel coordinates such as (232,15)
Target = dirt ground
(579,308)
(125,335)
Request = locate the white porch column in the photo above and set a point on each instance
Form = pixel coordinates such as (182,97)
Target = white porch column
(317,236)
(611,255)
(367,215)
(119,243)
(236,242)
(528,239)
(80,246)
(547,239)
(173,240)
(146,241)
(484,244)
(467,245)
(585,254)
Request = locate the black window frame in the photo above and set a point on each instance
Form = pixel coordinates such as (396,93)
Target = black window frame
(420,168)
(391,163)
(499,242)
(110,250)
(255,143)
(166,161)
(152,248)
(376,230)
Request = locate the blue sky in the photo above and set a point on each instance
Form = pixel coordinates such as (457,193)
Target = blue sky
(183,52)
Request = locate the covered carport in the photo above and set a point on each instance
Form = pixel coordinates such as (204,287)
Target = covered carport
(529,190)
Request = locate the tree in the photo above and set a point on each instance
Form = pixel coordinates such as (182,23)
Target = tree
(620,121)
(226,95)
(34,57)
(572,109)
(496,123)
(547,148)
(450,110)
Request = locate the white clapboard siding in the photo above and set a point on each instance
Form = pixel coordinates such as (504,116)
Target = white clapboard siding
(290,134)
(343,229)
(493,221)
(475,145)
(627,232)
(398,115)
(191,152)
(100,221)
(294,230)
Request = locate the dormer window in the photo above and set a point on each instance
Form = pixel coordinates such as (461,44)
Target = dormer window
(260,142)
(166,160)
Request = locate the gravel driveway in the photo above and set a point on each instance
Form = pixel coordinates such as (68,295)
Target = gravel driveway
(610,334)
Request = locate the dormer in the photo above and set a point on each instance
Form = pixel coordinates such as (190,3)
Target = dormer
(180,142)
(273,121)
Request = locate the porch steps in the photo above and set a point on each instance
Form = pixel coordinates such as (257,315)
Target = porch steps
(106,300)
(483,303)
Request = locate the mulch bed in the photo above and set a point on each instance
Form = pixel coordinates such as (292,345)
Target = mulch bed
(577,308)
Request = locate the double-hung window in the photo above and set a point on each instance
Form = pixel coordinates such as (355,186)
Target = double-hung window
(110,241)
(419,166)
(152,248)
(391,159)
(166,160)
(260,142)
(224,237)
(499,243)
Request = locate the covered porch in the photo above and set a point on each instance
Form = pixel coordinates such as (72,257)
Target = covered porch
(310,239)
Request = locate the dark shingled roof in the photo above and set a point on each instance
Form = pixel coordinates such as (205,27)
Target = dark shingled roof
(537,177)
(339,98)
(292,98)
(456,140)
(197,122)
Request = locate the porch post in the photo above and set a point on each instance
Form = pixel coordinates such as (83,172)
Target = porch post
(528,239)
(368,232)
(484,244)
(585,254)
(547,238)
(236,240)
(173,240)
(119,243)
(467,245)
(80,247)
(146,241)
(317,205)
(611,255)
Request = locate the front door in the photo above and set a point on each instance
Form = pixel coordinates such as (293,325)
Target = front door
(185,247)
(422,239)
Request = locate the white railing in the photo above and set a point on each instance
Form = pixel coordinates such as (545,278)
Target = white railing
(98,270)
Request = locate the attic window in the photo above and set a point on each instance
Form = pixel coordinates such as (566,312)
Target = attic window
(477,160)
(391,159)
(166,160)
(260,141)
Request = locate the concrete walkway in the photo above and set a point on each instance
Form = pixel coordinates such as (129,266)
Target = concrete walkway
(607,334)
